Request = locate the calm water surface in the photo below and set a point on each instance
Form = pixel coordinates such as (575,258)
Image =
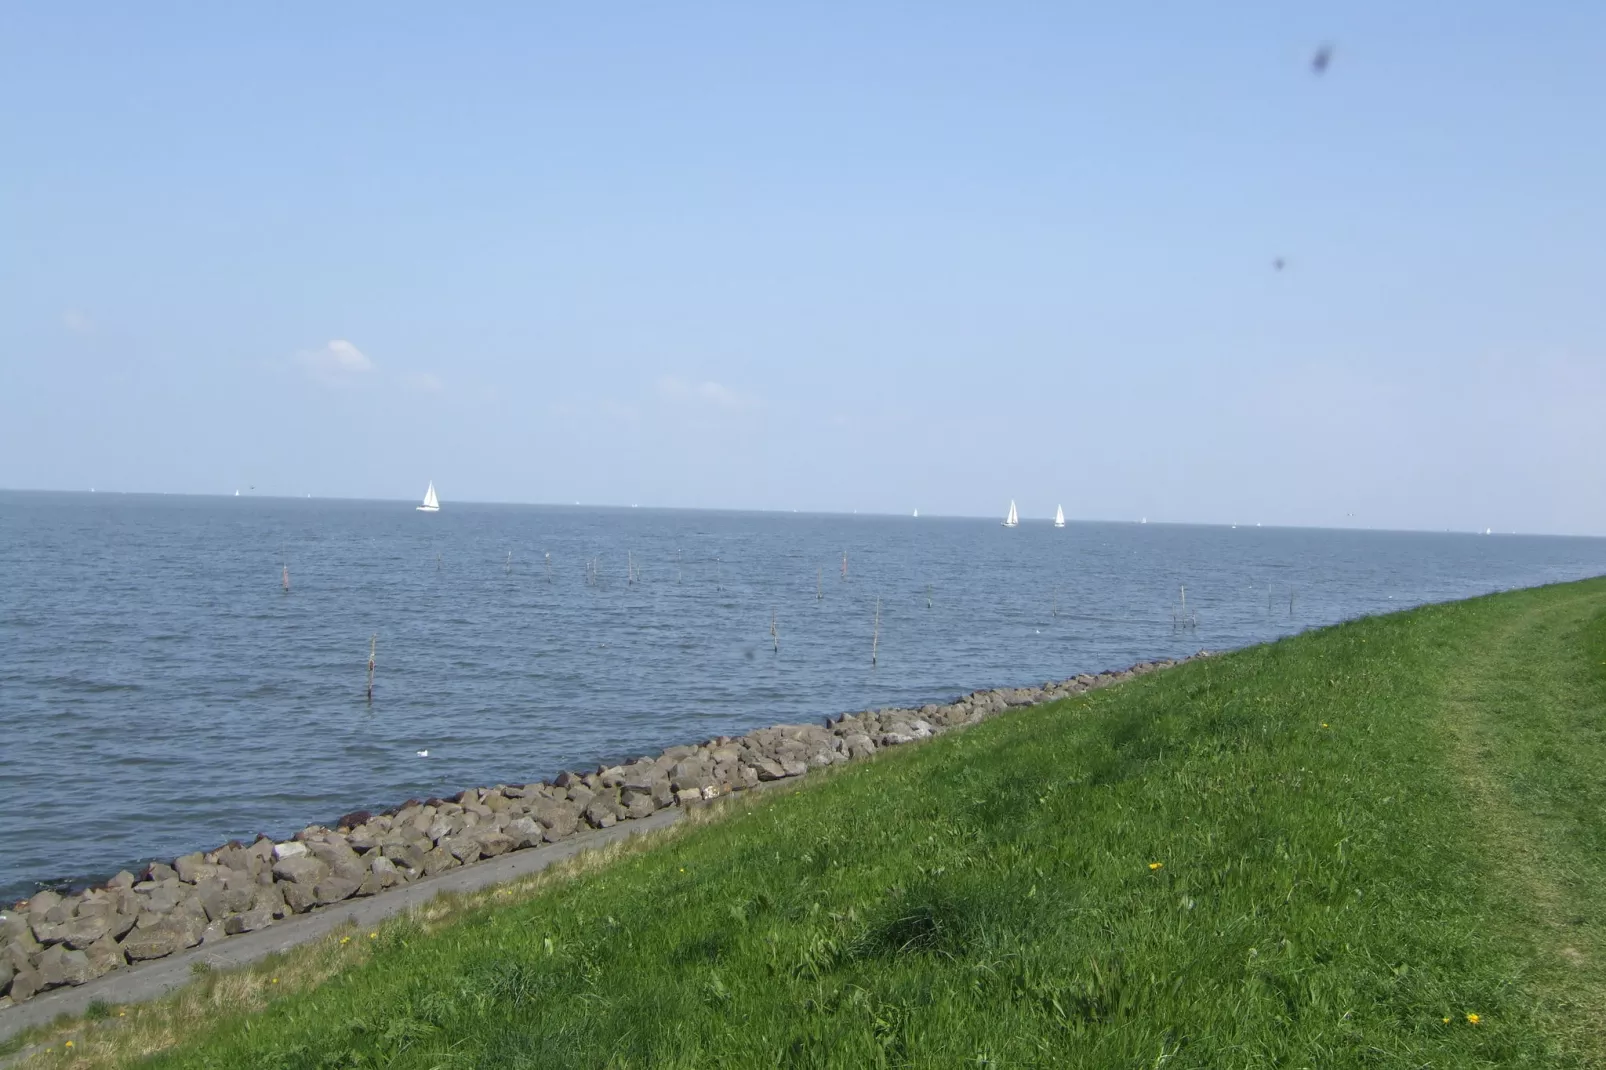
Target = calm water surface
(160,692)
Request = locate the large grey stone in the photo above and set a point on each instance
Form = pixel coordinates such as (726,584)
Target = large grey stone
(82,932)
(43,902)
(194,868)
(300,869)
(525,832)
(270,897)
(163,898)
(406,855)
(47,932)
(209,893)
(234,857)
(438,860)
(641,776)
(463,848)
(104,955)
(342,861)
(248,922)
(236,897)
(364,838)
(334,889)
(190,916)
(493,843)
(157,941)
(25,983)
(289,849)
(384,869)
(60,966)
(638,804)
(601,812)
(300,898)
(20,946)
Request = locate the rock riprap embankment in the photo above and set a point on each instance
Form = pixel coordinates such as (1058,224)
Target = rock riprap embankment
(53,939)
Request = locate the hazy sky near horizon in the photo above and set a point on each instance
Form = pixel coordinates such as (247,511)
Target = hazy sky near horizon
(877,256)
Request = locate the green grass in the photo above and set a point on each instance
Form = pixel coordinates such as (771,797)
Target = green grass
(1360,833)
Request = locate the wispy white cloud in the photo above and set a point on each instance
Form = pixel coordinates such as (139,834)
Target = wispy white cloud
(708,393)
(423,382)
(335,363)
(77,322)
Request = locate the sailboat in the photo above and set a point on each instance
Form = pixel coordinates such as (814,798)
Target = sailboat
(431,504)
(1059,516)
(1013,519)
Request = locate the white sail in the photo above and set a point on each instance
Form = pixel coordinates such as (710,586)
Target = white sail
(1013,519)
(431,504)
(917,514)
(1059,516)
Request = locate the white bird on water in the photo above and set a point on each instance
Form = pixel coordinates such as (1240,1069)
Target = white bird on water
(423,754)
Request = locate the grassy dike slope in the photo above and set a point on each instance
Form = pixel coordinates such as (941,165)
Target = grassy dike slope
(1325,852)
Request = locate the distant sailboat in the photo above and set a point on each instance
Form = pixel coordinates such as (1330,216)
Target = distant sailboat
(917,514)
(431,504)
(1059,516)
(1013,519)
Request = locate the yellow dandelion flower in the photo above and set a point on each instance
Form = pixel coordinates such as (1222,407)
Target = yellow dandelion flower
(1324,724)
(1156,865)
(373,936)
(345,939)
(1445,1020)
(274,981)
(1474,1019)
(68,1044)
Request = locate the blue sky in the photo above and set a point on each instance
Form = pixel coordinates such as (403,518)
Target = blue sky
(873,256)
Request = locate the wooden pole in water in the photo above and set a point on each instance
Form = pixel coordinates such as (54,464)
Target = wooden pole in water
(508,568)
(548,556)
(875,638)
(677,565)
(630,568)
(285,579)
(819,585)
(1290,601)
(844,564)
(775,635)
(373,644)
(928,596)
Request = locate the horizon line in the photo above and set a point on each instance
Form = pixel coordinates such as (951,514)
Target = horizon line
(1142,522)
